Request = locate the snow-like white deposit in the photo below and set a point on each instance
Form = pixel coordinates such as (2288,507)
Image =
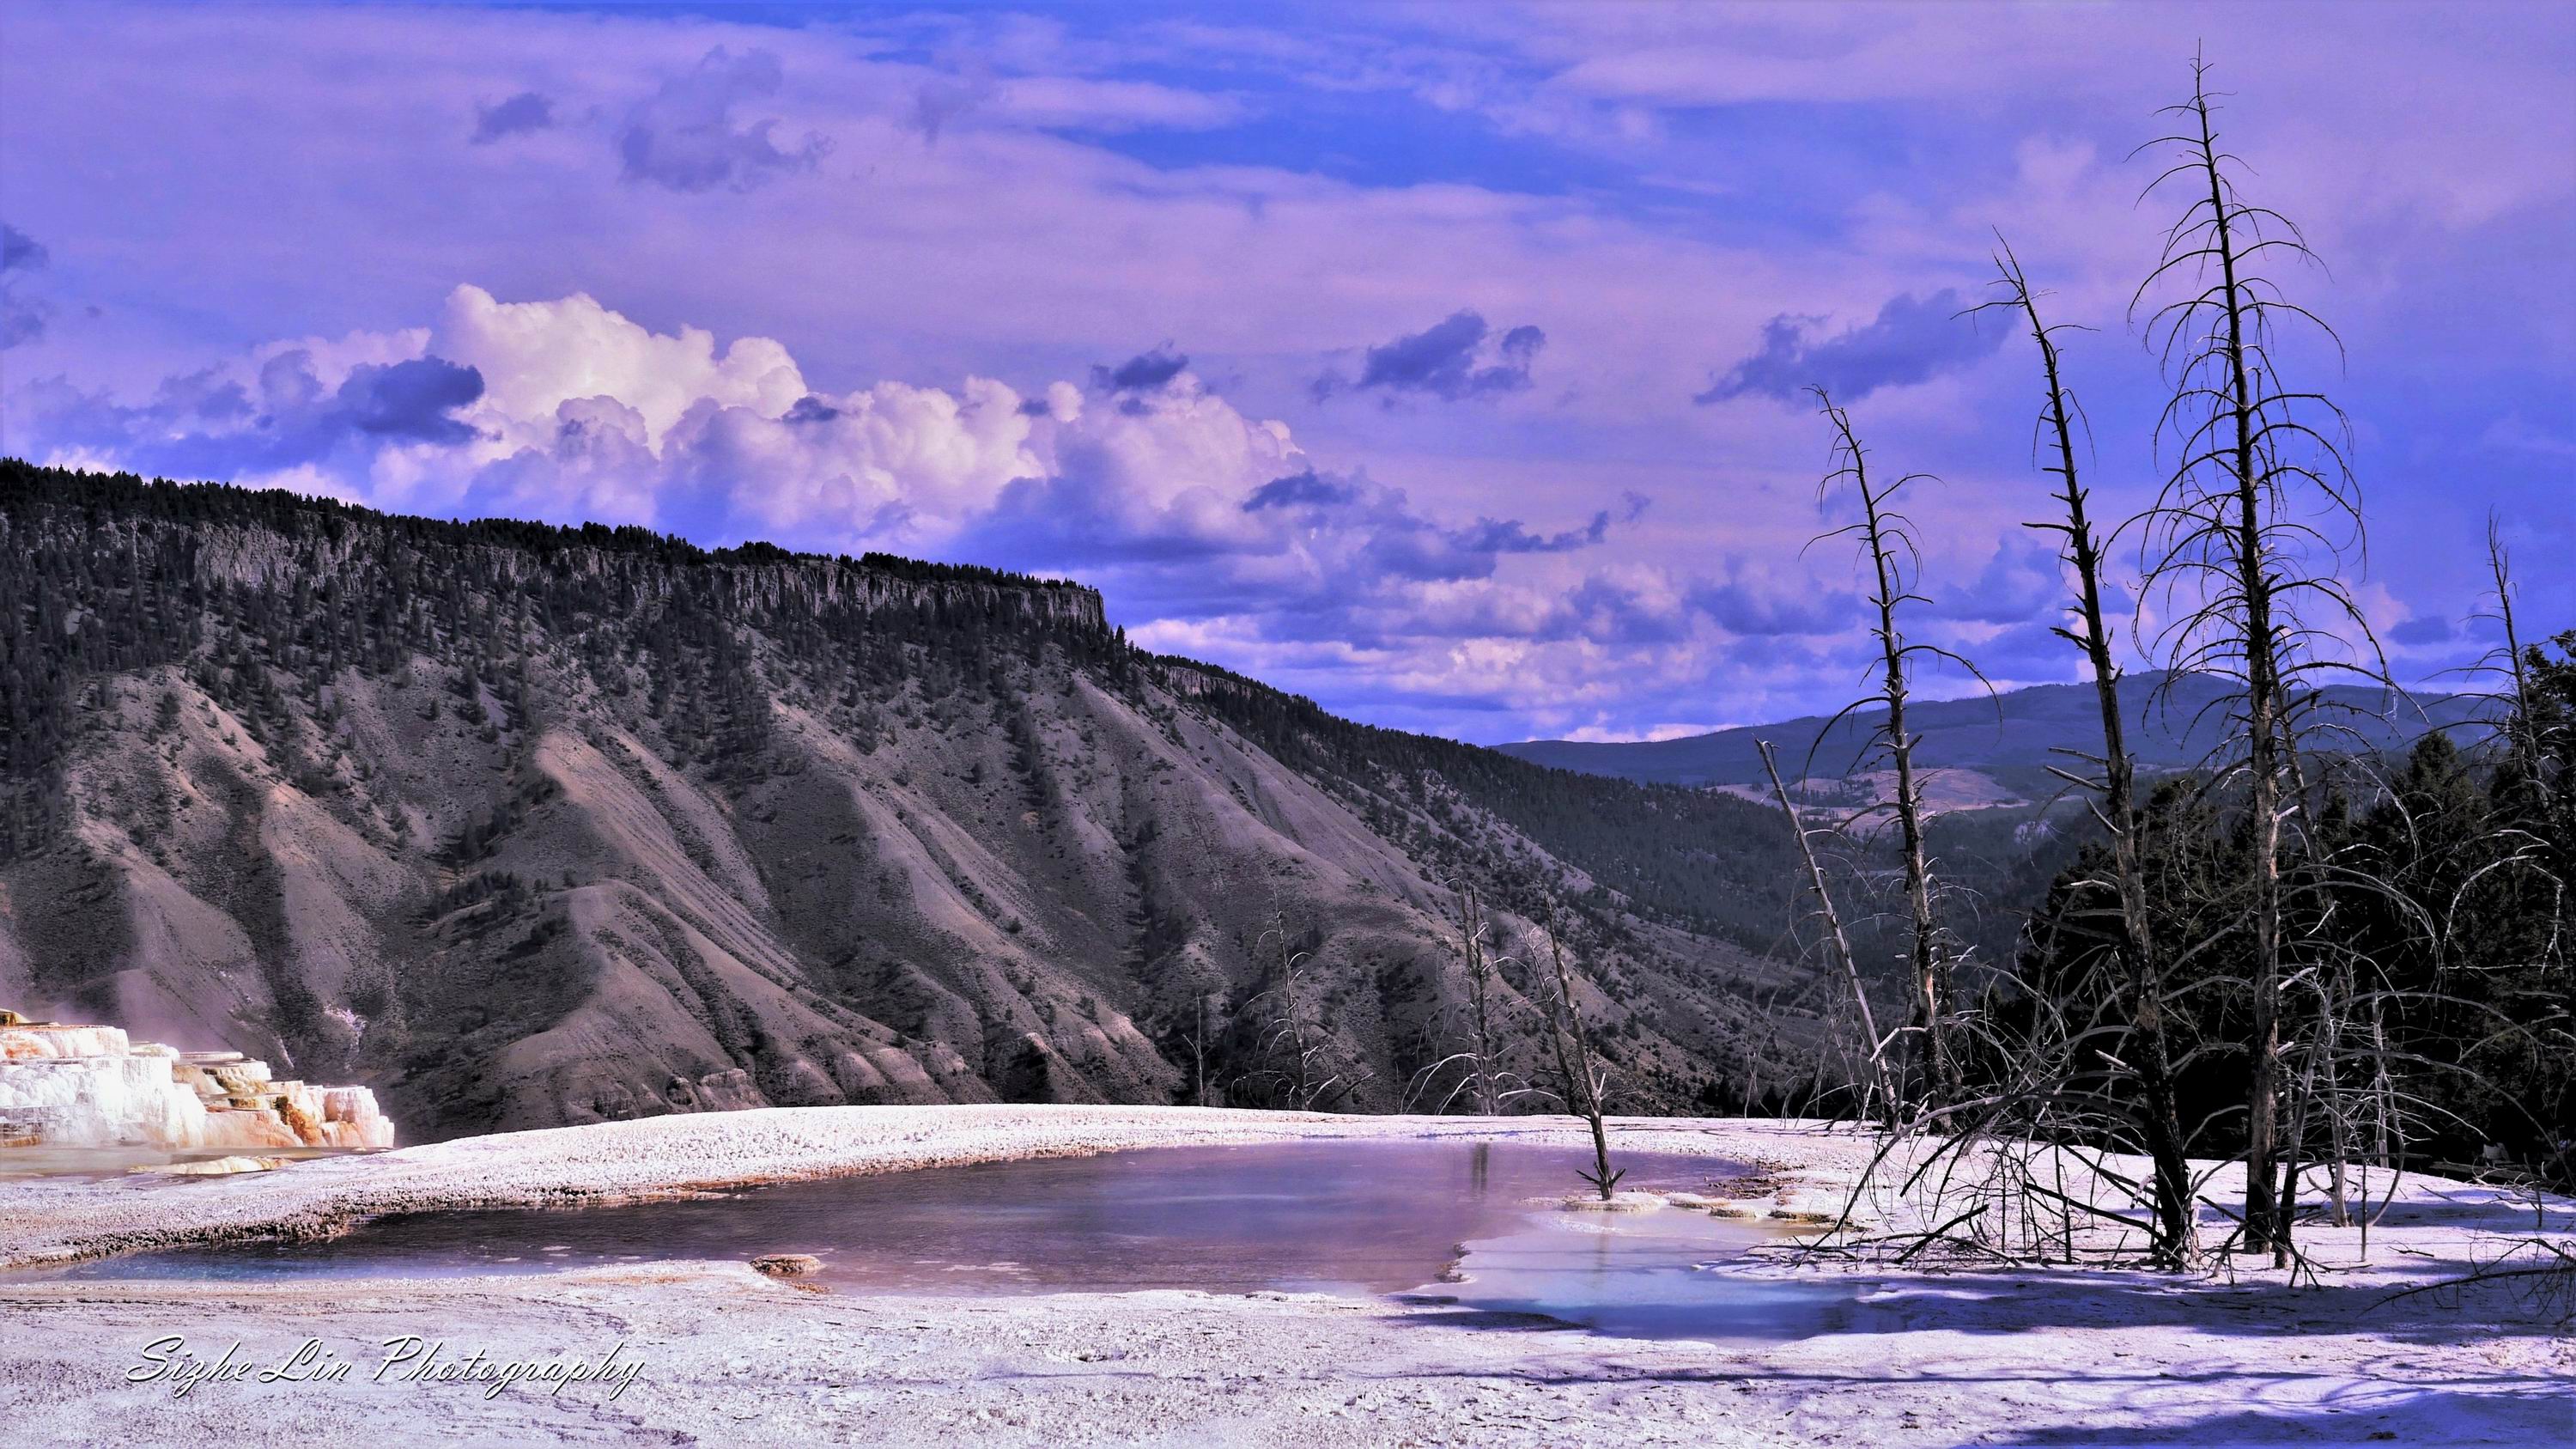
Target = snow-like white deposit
(92,1087)
(117,1100)
(1931,1356)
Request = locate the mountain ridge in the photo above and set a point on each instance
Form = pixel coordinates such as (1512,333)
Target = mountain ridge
(2009,739)
(525,825)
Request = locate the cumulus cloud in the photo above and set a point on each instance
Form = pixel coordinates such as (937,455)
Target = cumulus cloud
(520,114)
(567,410)
(589,414)
(1308,489)
(893,464)
(1510,535)
(1457,357)
(685,136)
(1911,340)
(534,356)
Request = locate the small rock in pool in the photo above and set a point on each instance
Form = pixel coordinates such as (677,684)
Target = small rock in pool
(787,1265)
(217,1167)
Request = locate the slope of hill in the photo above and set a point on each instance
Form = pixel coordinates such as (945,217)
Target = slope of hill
(2002,745)
(526,825)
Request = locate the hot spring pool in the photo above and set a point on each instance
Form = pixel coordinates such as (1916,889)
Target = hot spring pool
(1350,1217)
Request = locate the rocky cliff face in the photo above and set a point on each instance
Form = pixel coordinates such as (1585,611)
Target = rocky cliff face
(527,826)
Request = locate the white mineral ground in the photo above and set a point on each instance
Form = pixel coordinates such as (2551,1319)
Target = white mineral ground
(2055,1356)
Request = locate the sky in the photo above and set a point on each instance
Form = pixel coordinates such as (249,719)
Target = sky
(1441,362)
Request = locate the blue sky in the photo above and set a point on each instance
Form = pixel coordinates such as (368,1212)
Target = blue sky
(1437,361)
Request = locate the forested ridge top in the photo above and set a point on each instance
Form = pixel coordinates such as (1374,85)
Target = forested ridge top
(25,486)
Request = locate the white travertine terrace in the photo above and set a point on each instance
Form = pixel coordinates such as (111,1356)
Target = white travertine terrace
(89,1086)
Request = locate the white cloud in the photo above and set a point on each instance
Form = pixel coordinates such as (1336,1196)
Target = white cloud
(535,356)
(887,464)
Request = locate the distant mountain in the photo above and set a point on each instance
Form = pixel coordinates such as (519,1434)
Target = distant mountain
(2003,744)
(525,825)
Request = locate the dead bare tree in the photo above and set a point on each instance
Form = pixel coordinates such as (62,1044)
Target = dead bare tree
(1483,1076)
(1838,945)
(2523,725)
(1299,1052)
(2234,545)
(2114,791)
(1584,1083)
(1477,958)
(2537,826)
(1198,1037)
(1887,544)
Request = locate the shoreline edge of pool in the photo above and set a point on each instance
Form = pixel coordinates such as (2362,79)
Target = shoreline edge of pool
(724,1355)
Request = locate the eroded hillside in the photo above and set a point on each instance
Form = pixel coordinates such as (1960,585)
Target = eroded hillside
(527,826)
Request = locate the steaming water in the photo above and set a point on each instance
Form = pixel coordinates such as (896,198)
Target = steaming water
(1352,1217)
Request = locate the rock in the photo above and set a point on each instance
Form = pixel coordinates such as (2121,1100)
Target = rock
(787,1265)
(219,1167)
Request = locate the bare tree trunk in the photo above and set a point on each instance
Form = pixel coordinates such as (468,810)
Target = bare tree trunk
(1578,1070)
(2238,518)
(1198,1049)
(2339,1142)
(1928,956)
(1471,940)
(2158,1118)
(1291,1025)
(2525,741)
(2264,1225)
(2392,1126)
(1883,1082)
(1753,1064)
